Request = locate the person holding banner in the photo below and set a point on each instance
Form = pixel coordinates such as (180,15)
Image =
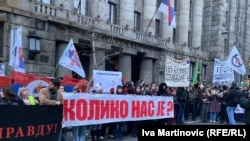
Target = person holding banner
(119,127)
(23,93)
(50,95)
(79,132)
(162,92)
(96,128)
(64,131)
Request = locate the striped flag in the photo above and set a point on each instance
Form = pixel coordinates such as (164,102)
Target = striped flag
(167,8)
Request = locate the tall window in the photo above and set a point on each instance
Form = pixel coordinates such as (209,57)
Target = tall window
(1,39)
(137,21)
(190,10)
(189,38)
(45,1)
(112,13)
(225,45)
(174,35)
(227,18)
(157,28)
(80,7)
(204,71)
(175,5)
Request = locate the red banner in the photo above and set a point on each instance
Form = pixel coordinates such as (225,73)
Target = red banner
(5,81)
(25,79)
(67,80)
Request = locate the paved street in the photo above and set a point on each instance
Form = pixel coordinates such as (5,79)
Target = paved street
(130,138)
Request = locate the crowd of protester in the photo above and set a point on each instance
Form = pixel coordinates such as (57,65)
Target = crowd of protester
(209,103)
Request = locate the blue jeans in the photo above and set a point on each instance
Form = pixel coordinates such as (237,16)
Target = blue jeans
(230,114)
(180,114)
(119,129)
(96,127)
(63,135)
(79,133)
(212,116)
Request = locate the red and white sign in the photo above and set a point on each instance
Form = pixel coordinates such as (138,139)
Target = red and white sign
(87,109)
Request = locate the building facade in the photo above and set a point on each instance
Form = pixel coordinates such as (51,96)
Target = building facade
(130,36)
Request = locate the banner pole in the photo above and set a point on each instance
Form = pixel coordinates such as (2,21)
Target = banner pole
(54,71)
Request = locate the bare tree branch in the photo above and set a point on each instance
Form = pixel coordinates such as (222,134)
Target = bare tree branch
(104,58)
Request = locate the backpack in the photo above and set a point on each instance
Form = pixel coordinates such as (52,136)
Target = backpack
(236,98)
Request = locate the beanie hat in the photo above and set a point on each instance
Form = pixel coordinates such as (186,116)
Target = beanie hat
(112,90)
(119,86)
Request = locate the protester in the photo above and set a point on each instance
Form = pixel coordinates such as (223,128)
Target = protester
(245,103)
(64,131)
(162,92)
(8,97)
(205,95)
(23,93)
(214,106)
(96,128)
(231,106)
(50,95)
(79,132)
(119,126)
(181,95)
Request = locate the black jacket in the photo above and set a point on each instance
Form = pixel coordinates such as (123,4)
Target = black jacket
(229,98)
(245,104)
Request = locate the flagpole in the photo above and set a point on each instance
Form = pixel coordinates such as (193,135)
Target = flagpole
(55,68)
(151,20)
(58,62)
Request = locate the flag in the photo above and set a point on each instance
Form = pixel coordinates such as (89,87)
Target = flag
(19,58)
(69,83)
(33,82)
(166,8)
(5,81)
(196,71)
(70,59)
(16,51)
(235,62)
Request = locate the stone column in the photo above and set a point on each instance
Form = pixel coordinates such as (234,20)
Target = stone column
(100,54)
(62,70)
(125,64)
(146,69)
(197,23)
(158,71)
(183,24)
(126,13)
(149,8)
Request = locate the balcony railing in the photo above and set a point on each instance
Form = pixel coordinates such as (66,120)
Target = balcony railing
(45,9)
(116,29)
(86,21)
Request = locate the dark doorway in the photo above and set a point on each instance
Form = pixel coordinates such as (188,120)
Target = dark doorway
(111,63)
(136,65)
